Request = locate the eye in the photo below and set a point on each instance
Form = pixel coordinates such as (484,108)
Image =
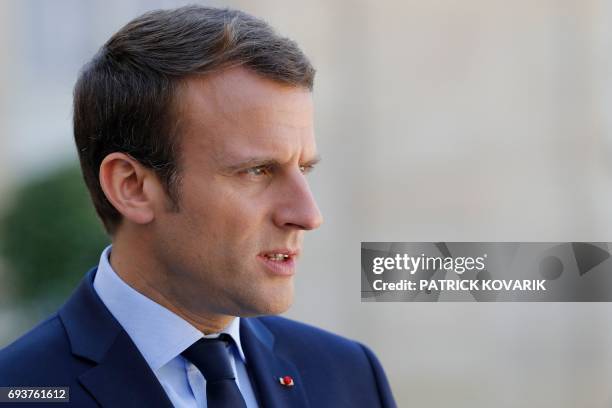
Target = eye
(257,171)
(306,168)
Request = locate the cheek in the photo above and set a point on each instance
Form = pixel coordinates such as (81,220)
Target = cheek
(224,220)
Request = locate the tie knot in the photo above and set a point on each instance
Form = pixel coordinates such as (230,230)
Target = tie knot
(211,357)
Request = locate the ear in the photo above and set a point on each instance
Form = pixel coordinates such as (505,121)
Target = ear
(130,187)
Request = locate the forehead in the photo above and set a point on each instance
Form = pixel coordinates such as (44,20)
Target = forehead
(239,112)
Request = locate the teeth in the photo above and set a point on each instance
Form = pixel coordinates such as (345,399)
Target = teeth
(277,257)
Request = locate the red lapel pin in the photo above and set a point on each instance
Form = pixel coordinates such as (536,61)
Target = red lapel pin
(287,381)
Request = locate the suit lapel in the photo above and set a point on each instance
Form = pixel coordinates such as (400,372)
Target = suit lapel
(123,378)
(120,375)
(265,367)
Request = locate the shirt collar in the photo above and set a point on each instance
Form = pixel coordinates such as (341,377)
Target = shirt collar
(158,333)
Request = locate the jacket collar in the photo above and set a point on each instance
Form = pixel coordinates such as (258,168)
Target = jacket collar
(120,376)
(266,366)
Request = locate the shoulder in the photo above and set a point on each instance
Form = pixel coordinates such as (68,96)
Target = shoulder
(299,338)
(29,358)
(305,335)
(312,349)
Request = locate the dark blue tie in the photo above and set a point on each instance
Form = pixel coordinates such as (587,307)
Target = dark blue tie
(211,357)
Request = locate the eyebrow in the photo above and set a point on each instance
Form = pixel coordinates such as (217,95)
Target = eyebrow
(256,162)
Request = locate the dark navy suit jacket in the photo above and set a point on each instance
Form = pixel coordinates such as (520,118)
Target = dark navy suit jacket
(83,347)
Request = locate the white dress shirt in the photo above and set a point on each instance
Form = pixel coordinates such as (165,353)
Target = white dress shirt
(161,336)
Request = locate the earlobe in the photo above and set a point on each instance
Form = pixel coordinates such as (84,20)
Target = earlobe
(123,180)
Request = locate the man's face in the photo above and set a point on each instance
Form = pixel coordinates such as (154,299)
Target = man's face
(246,144)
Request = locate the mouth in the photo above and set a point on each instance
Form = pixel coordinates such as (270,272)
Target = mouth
(280,262)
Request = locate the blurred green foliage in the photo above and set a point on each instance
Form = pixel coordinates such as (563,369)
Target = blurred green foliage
(50,236)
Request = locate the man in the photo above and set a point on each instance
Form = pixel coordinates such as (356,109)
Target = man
(194,129)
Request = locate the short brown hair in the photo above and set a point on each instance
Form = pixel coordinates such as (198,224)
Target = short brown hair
(125,97)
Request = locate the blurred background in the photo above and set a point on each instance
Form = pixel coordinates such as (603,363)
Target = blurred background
(437,120)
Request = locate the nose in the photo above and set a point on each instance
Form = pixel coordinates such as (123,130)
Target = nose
(298,208)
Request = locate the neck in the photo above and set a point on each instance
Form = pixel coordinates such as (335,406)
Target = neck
(138,270)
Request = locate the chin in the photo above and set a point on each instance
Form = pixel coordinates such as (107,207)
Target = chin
(269,305)
(280,307)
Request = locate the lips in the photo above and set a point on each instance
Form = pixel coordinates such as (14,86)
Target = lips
(279,255)
(280,262)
